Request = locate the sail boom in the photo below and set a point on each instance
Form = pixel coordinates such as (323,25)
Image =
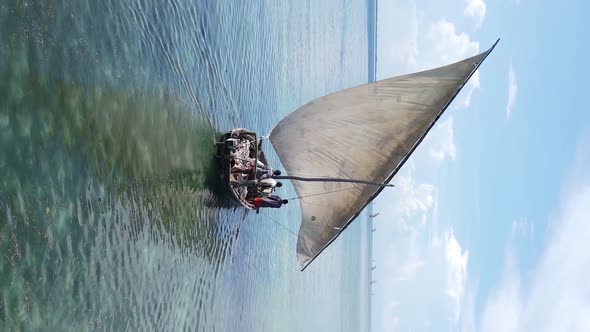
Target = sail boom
(329,179)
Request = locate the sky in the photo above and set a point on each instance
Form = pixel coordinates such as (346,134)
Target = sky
(488,225)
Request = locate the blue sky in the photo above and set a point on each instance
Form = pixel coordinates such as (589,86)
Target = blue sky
(487,227)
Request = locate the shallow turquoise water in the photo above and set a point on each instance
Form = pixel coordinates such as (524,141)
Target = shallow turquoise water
(108,217)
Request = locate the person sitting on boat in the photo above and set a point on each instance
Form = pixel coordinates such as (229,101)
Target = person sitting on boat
(270,201)
(262,172)
(268,185)
(232,141)
(244,183)
(265,185)
(268,173)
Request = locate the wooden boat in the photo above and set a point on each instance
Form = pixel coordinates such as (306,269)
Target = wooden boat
(351,143)
(236,149)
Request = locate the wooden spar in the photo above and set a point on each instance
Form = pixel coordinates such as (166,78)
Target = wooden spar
(326,179)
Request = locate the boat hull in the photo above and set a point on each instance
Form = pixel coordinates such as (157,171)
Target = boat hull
(235,149)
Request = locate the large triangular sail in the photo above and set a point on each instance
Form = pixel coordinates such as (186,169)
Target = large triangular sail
(367,133)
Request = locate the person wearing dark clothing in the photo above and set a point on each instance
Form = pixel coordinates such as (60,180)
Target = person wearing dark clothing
(261,173)
(270,201)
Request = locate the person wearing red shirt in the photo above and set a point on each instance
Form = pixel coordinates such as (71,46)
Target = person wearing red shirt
(270,201)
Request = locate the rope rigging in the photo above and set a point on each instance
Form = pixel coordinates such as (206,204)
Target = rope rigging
(284,227)
(324,193)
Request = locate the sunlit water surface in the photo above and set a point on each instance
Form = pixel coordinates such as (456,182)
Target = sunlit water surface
(108,211)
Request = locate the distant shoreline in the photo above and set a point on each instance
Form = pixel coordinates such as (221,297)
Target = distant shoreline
(372,39)
(369,267)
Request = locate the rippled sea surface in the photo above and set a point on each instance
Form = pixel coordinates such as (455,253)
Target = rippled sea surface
(109,218)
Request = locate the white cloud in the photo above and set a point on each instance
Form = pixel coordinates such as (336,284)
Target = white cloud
(456,262)
(401,49)
(390,322)
(411,200)
(467,320)
(555,295)
(512,90)
(421,266)
(447,45)
(504,308)
(523,227)
(476,9)
(442,141)
(416,49)
(471,86)
(433,291)
(408,206)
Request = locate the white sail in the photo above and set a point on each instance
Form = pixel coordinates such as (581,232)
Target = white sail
(367,133)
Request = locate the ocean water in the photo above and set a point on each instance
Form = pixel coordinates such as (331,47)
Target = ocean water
(108,213)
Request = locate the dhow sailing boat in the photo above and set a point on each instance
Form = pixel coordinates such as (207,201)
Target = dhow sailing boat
(349,144)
